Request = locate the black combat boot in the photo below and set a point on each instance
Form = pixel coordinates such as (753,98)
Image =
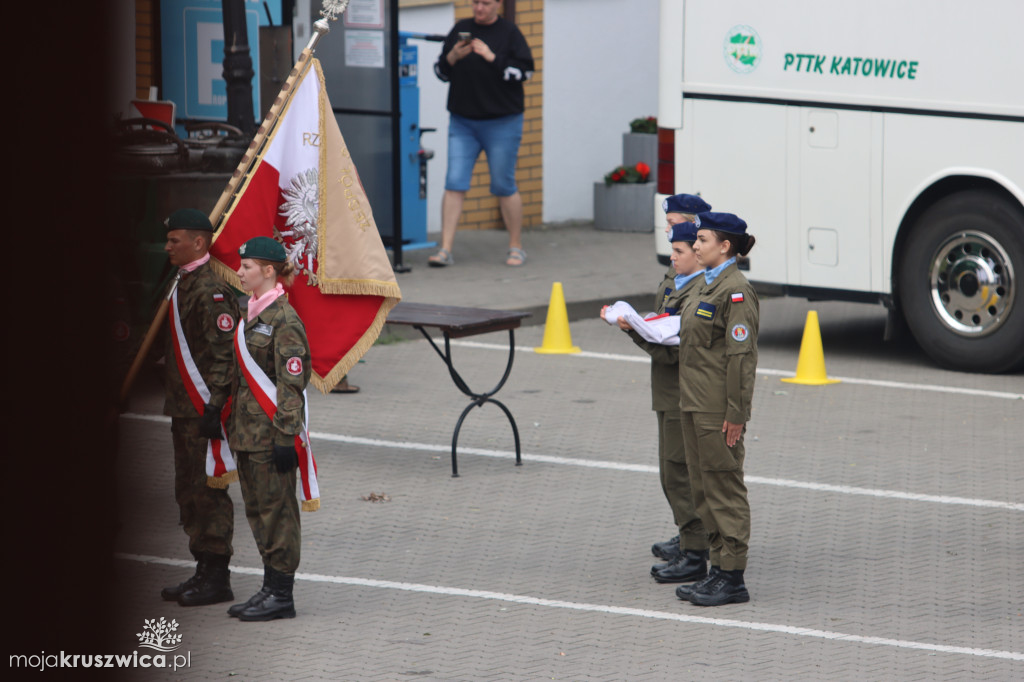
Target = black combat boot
(214,585)
(684,591)
(691,565)
(668,550)
(172,593)
(726,588)
(277,604)
(254,599)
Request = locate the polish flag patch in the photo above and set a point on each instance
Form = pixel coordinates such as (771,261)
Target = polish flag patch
(294,366)
(218,297)
(737,298)
(225,322)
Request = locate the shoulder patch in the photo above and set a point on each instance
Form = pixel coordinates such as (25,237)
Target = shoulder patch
(739,333)
(225,322)
(218,297)
(294,365)
(737,297)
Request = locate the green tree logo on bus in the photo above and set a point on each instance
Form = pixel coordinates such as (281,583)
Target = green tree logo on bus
(742,49)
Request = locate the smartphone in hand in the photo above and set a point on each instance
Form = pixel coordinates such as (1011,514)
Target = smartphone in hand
(465,36)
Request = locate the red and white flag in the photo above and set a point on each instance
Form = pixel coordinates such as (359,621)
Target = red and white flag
(304,190)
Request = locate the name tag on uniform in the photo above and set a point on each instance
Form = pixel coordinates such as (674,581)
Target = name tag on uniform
(705,310)
(264,329)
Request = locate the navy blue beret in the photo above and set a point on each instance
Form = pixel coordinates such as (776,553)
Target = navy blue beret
(263,248)
(188,219)
(723,222)
(683,232)
(685,203)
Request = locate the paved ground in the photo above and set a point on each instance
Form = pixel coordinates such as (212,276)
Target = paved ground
(887,519)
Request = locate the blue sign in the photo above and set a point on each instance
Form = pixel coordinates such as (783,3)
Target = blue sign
(193,56)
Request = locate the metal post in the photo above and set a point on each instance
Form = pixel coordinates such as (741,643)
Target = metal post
(238,71)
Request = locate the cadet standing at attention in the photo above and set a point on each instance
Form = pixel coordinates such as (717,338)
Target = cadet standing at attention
(199,371)
(675,482)
(272,357)
(717,363)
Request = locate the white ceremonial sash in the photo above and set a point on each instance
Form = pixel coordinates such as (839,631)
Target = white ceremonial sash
(265,392)
(220,464)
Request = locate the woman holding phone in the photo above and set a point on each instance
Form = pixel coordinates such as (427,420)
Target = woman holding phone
(486,60)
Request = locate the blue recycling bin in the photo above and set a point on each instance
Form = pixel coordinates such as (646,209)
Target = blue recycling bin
(413,157)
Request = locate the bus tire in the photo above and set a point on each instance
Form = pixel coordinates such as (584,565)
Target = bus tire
(961,282)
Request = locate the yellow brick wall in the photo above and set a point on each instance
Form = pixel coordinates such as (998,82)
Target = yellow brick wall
(145,47)
(480,212)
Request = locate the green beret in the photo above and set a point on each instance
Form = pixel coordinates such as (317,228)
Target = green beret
(188,219)
(263,248)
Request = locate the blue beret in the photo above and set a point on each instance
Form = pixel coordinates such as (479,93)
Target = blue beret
(685,203)
(683,232)
(723,222)
(263,248)
(188,219)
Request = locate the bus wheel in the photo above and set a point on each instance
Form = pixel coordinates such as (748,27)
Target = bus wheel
(960,282)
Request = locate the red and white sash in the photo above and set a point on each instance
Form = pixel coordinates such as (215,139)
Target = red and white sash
(220,464)
(266,395)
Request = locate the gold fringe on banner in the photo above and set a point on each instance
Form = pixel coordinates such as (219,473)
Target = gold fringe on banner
(221,482)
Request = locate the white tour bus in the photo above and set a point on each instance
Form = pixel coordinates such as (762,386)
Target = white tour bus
(875,148)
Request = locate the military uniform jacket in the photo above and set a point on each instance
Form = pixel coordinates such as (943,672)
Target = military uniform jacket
(209,312)
(665,359)
(276,339)
(718,347)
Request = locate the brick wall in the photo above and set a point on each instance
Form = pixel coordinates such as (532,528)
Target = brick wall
(146,62)
(480,212)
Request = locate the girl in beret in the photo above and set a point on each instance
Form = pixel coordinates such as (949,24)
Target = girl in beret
(272,362)
(717,361)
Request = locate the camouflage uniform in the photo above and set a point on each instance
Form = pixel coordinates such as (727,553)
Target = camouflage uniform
(675,478)
(276,336)
(717,363)
(206,513)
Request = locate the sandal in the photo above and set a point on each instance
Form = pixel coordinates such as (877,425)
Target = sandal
(440,259)
(516,257)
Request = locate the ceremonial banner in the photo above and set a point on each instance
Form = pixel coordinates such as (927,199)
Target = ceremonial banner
(304,191)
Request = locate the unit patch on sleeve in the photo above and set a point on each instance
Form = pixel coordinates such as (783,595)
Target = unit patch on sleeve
(739,332)
(225,322)
(737,297)
(705,310)
(294,366)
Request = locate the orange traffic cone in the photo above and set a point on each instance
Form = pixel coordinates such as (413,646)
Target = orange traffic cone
(557,338)
(810,366)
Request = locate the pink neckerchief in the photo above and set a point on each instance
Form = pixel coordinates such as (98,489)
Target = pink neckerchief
(190,267)
(258,305)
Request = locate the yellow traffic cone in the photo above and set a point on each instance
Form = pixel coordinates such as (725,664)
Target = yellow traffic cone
(810,366)
(557,338)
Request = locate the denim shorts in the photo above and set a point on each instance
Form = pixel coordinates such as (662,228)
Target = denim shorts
(498,137)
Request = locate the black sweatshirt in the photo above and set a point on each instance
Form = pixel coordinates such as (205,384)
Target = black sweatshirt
(480,89)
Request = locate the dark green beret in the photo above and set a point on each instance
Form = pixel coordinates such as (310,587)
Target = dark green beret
(264,248)
(188,219)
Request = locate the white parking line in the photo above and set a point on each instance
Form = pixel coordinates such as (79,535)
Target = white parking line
(769,372)
(639,468)
(603,608)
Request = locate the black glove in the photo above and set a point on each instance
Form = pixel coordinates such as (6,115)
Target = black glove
(285,458)
(209,423)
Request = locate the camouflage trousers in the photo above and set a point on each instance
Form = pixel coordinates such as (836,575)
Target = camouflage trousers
(271,509)
(675,481)
(206,513)
(719,493)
